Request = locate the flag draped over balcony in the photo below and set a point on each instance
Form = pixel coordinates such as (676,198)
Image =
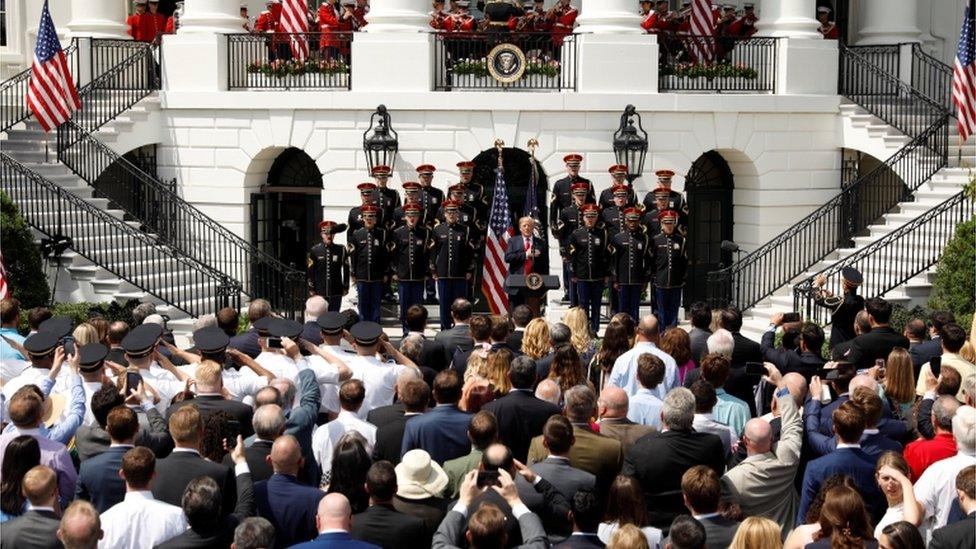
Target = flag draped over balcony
(701,42)
(964,77)
(51,93)
(294,20)
(499,232)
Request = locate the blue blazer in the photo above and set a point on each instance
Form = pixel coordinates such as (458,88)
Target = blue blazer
(890,427)
(874,444)
(289,506)
(98,479)
(335,540)
(853,462)
(443,432)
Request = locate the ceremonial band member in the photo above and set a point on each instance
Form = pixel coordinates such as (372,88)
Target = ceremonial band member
(588,254)
(411,195)
(526,254)
(412,244)
(562,198)
(570,219)
(670,267)
(676,200)
(619,174)
(827,28)
(369,258)
(651,220)
(430,198)
(843,307)
(613,215)
(563,17)
(369,195)
(389,199)
(437,15)
(328,268)
(630,260)
(451,262)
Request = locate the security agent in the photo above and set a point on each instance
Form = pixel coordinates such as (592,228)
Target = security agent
(328,268)
(589,256)
(451,261)
(369,258)
(843,307)
(630,260)
(412,245)
(670,267)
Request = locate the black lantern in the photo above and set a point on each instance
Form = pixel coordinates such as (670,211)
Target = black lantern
(381,146)
(630,143)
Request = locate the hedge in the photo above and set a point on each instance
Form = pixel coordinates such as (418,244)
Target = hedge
(26,278)
(82,311)
(955,275)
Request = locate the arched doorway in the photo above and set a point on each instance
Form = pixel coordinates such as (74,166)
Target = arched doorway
(286,212)
(708,186)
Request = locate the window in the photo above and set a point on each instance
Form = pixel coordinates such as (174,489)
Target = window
(3,23)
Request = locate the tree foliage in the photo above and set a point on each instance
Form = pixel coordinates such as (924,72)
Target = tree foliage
(955,275)
(26,279)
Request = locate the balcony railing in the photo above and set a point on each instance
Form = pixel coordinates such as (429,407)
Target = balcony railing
(461,62)
(716,64)
(266,61)
(13,91)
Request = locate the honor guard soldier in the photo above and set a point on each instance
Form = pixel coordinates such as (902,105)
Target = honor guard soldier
(843,307)
(368,193)
(570,219)
(412,244)
(430,198)
(411,195)
(589,257)
(676,200)
(651,220)
(389,199)
(451,262)
(630,260)
(670,267)
(474,193)
(369,258)
(466,212)
(561,196)
(613,215)
(619,174)
(328,268)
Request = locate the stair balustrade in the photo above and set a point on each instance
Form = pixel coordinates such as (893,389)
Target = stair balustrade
(13,91)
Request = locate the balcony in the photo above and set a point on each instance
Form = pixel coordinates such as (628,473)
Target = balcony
(268,61)
(716,64)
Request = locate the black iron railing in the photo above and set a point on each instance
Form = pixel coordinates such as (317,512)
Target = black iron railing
(932,78)
(13,91)
(114,245)
(119,87)
(733,64)
(265,61)
(886,58)
(108,53)
(892,260)
(461,62)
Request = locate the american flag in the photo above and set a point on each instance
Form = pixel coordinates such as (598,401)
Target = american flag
(499,232)
(964,76)
(294,20)
(532,200)
(701,43)
(51,94)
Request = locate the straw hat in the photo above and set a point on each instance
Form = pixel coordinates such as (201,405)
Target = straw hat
(418,477)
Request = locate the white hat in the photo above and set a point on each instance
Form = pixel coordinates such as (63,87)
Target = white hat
(155,319)
(823,9)
(419,477)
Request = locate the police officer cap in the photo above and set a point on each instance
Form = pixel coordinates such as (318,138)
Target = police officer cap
(283,327)
(366,333)
(262,325)
(332,322)
(60,326)
(41,343)
(141,339)
(852,275)
(210,340)
(90,356)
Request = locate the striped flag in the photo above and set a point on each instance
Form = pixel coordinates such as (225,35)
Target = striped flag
(51,93)
(499,232)
(532,200)
(964,77)
(294,20)
(701,42)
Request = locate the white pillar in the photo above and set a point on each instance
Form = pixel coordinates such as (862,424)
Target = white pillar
(398,16)
(888,22)
(98,19)
(615,54)
(211,16)
(788,18)
(195,58)
(609,16)
(395,53)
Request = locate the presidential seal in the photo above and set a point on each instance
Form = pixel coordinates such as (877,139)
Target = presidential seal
(506,63)
(533,281)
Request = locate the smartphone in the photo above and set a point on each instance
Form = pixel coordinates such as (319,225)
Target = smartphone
(936,365)
(791,317)
(132,381)
(755,369)
(825,395)
(274,343)
(68,342)
(488,478)
(233,430)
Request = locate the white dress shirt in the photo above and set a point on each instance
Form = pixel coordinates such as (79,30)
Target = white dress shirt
(706,423)
(327,376)
(624,372)
(936,488)
(140,522)
(278,364)
(326,436)
(379,378)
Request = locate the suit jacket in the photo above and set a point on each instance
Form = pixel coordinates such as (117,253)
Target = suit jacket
(247,343)
(450,534)
(454,339)
(624,430)
(806,364)
(383,525)
(221,532)
(699,343)
(895,429)
(255,455)
(521,416)
(853,462)
(335,540)
(745,350)
(98,479)
(443,432)
(658,460)
(32,530)
(957,535)
(389,439)
(385,414)
(515,256)
(567,480)
(543,364)
(290,507)
(878,343)
(175,472)
(719,531)
(91,440)
(924,352)
(580,541)
(592,452)
(208,404)
(431,511)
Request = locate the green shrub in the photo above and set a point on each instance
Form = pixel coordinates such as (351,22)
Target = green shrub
(955,275)
(21,258)
(900,315)
(82,311)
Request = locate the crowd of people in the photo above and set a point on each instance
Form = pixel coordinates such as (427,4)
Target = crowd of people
(500,431)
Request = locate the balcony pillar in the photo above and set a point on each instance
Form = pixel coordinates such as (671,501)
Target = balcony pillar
(789,19)
(888,22)
(196,56)
(97,19)
(806,64)
(395,52)
(615,54)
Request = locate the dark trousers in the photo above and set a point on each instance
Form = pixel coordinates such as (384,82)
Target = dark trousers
(449,289)
(429,289)
(568,284)
(411,292)
(629,296)
(668,302)
(334,302)
(590,296)
(369,300)
(614,304)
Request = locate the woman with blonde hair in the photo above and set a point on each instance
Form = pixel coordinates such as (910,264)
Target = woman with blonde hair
(496,370)
(535,342)
(582,338)
(84,334)
(892,475)
(628,537)
(477,364)
(899,380)
(757,533)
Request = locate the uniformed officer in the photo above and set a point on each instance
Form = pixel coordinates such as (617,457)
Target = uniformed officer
(431,198)
(570,219)
(589,258)
(369,258)
(619,174)
(670,266)
(466,212)
(412,244)
(561,195)
(676,200)
(328,269)
(630,255)
(843,307)
(369,193)
(651,219)
(451,261)
(411,195)
(474,193)
(389,199)
(613,215)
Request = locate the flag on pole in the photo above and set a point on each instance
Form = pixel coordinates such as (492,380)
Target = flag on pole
(701,42)
(3,279)
(51,93)
(499,232)
(964,77)
(294,20)
(532,199)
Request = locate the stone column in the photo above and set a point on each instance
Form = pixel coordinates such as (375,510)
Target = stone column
(609,16)
(195,58)
(211,16)
(97,19)
(806,64)
(407,16)
(888,22)
(614,53)
(789,19)
(395,51)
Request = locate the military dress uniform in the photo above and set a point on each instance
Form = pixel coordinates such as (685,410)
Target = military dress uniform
(411,248)
(328,268)
(369,193)
(612,219)
(431,199)
(619,174)
(370,265)
(629,264)
(570,219)
(676,200)
(589,256)
(844,308)
(389,199)
(451,262)
(670,267)
(411,191)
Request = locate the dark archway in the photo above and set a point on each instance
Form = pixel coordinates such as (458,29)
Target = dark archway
(708,186)
(518,166)
(286,212)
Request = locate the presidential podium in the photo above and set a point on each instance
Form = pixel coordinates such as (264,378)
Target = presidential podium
(533,288)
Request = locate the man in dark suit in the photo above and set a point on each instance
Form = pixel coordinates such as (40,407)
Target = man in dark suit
(175,472)
(745,349)
(209,398)
(37,528)
(873,442)
(878,343)
(269,424)
(702,490)
(701,319)
(443,431)
(926,350)
(432,351)
(334,520)
(389,437)
(521,416)
(587,511)
(843,383)
(612,410)
(380,523)
(807,362)
(659,460)
(526,253)
(962,533)
(98,478)
(287,504)
(245,342)
(521,316)
(91,440)
(458,337)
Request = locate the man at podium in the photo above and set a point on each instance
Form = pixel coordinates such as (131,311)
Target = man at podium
(526,254)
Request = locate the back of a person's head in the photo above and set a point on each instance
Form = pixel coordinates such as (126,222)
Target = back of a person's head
(949,381)
(412,346)
(461,309)
(352,392)
(22,453)
(227,321)
(879,309)
(647,328)
(117,332)
(39,485)
(122,424)
(185,425)
(417,318)
(715,369)
(964,429)
(757,533)
(36,316)
(254,533)
(521,315)
(268,422)
(103,401)
(497,457)
(720,342)
(870,403)
(650,370)
(625,503)
(138,466)
(381,481)
(580,403)
(560,334)
(447,387)
(940,319)
(702,489)
(943,410)
(701,315)
(522,372)
(483,430)
(731,318)
(849,422)
(844,518)
(915,329)
(486,528)
(480,327)
(9,310)
(536,341)
(81,527)
(587,509)
(26,407)
(258,309)
(628,536)
(678,411)
(415,395)
(966,481)
(953,337)
(201,502)
(902,535)
(705,396)
(686,533)
(557,434)
(813,337)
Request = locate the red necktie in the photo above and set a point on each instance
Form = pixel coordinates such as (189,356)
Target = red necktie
(528,258)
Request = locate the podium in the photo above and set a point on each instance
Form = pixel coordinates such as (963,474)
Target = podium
(533,287)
